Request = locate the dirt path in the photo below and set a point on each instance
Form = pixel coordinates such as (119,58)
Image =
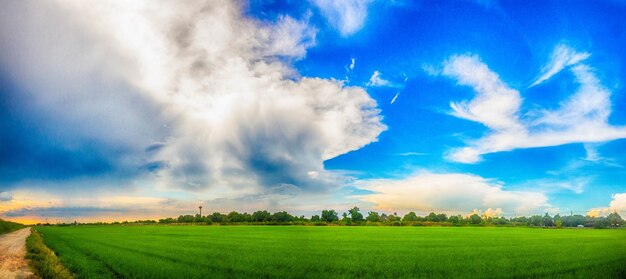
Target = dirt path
(12,253)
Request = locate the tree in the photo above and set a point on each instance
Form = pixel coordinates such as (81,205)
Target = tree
(520,220)
(558,223)
(535,220)
(345,219)
(547,220)
(557,218)
(301,218)
(261,216)
(329,216)
(373,216)
(579,220)
(315,218)
(574,221)
(410,217)
(393,218)
(590,221)
(185,219)
(499,221)
(442,217)
(282,217)
(167,221)
(355,215)
(383,217)
(475,219)
(601,223)
(216,217)
(198,218)
(614,219)
(234,217)
(246,217)
(454,219)
(431,217)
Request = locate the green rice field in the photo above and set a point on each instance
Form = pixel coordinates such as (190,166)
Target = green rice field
(337,252)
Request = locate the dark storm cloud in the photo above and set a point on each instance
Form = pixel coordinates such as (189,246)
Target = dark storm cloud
(61,117)
(282,159)
(32,149)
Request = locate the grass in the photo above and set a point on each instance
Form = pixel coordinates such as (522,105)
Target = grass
(337,252)
(43,260)
(7,227)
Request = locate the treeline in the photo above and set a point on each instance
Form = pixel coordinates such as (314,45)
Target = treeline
(355,217)
(6,226)
(260,217)
(612,220)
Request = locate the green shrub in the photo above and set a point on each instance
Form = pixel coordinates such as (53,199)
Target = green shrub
(6,226)
(43,260)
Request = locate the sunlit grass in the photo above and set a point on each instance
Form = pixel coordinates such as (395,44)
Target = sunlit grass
(7,227)
(45,263)
(327,252)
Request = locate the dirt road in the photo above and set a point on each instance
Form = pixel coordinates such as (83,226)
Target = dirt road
(12,252)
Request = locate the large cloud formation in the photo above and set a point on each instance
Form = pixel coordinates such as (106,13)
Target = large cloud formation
(617,204)
(581,118)
(454,193)
(195,93)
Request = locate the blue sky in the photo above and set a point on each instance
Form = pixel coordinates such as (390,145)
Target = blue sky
(148,110)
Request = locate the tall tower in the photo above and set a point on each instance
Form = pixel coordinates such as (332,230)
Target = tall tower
(200,207)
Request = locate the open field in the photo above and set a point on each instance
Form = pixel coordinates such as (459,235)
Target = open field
(323,252)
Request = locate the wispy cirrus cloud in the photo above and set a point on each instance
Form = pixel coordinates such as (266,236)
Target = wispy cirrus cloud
(562,57)
(393,100)
(564,182)
(495,105)
(581,118)
(411,154)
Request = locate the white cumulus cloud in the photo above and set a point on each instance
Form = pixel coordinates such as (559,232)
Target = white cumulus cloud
(454,193)
(346,16)
(376,80)
(488,213)
(617,204)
